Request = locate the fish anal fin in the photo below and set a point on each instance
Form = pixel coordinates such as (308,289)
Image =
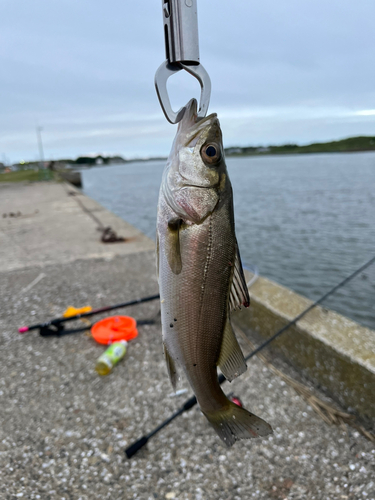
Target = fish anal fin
(231,360)
(239,293)
(171,367)
(172,245)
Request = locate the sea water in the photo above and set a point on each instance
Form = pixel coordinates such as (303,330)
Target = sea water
(306,221)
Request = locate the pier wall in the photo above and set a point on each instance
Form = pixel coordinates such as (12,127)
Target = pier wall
(332,350)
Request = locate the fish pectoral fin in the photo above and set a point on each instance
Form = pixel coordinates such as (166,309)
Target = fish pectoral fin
(171,367)
(231,360)
(239,293)
(172,245)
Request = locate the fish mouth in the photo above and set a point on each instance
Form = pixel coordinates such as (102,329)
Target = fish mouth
(190,116)
(198,127)
(206,118)
(211,186)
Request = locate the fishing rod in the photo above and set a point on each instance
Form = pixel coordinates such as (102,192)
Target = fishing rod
(59,332)
(55,326)
(137,445)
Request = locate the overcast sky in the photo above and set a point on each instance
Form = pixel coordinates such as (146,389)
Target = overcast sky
(292,71)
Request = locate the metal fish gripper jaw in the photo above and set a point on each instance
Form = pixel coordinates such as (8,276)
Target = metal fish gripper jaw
(182,53)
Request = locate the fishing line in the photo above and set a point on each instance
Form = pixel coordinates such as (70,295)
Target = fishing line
(316,303)
(137,445)
(255,271)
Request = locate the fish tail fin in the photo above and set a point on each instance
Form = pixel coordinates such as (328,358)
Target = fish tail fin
(232,423)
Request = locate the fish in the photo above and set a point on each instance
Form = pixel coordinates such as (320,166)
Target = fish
(200,274)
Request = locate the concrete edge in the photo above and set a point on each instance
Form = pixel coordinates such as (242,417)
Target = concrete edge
(95,206)
(110,218)
(332,350)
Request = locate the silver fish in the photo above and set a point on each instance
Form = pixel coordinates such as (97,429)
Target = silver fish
(200,273)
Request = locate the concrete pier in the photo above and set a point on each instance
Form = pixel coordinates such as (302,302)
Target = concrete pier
(64,429)
(53,228)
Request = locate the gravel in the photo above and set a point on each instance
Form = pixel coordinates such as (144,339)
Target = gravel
(64,429)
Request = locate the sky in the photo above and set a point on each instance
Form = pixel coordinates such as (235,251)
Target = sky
(282,72)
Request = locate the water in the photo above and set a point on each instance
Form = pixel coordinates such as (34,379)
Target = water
(306,221)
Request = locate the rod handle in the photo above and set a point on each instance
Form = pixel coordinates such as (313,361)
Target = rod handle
(135,447)
(190,403)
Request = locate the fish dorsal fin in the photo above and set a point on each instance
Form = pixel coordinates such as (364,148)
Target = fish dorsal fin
(172,245)
(239,293)
(231,360)
(171,367)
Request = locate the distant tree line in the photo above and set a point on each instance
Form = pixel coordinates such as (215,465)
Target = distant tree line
(98,160)
(352,144)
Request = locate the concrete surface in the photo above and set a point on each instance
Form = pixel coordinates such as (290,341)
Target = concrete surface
(53,227)
(334,351)
(64,429)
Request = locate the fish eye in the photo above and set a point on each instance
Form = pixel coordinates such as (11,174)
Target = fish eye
(211,153)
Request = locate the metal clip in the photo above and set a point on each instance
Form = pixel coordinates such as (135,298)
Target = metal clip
(182,52)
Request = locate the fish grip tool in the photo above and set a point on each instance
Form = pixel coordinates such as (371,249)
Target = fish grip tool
(182,53)
(137,445)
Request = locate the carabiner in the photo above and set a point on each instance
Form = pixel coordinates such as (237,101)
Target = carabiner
(182,52)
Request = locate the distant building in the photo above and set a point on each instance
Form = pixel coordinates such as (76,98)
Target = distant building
(233,151)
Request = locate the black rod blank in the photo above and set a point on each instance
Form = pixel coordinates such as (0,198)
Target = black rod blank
(58,321)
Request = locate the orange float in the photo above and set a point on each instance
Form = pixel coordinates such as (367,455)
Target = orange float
(114,329)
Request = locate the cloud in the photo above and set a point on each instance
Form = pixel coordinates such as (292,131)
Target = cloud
(366,112)
(281,72)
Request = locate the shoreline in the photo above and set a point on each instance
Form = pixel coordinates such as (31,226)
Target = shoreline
(229,153)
